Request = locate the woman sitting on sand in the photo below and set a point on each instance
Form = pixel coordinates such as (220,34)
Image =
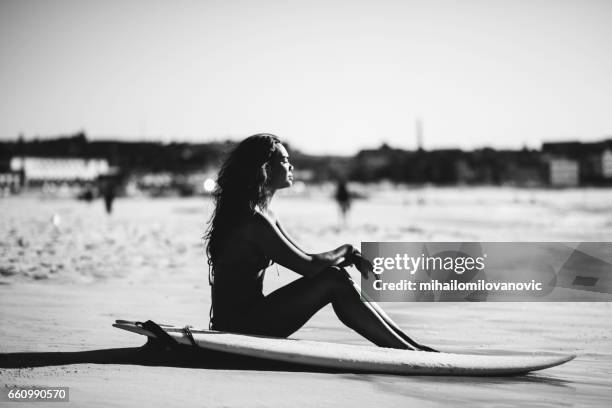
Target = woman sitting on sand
(244,238)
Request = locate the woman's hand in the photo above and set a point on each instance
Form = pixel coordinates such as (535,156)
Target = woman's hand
(356,259)
(363,266)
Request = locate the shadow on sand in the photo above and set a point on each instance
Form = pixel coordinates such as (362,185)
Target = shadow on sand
(182,356)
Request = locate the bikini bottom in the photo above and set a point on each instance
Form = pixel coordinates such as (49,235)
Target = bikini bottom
(237,321)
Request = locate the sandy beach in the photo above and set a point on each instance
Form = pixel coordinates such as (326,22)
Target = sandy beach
(68,271)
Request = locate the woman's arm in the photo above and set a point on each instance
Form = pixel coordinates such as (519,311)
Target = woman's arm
(268,237)
(269,214)
(286,234)
(353,258)
(348,258)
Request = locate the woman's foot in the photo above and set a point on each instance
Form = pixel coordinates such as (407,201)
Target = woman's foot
(425,348)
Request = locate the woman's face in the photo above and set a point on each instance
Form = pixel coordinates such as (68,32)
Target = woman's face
(282,171)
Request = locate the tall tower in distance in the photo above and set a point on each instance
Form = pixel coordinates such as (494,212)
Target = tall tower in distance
(419,133)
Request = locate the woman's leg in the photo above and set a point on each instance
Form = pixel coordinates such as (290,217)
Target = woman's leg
(287,309)
(383,315)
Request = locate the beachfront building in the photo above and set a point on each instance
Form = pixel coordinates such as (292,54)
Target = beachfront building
(605,164)
(563,172)
(48,169)
(594,162)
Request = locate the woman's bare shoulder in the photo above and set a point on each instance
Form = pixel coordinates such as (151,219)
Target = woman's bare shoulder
(258,225)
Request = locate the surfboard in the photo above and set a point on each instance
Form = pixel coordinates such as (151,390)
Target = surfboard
(356,358)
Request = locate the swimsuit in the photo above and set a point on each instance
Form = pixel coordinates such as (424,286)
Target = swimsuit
(238,284)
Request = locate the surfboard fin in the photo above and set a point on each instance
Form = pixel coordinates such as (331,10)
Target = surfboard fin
(162,339)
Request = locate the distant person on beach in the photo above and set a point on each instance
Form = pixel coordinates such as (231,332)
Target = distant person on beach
(244,237)
(108,193)
(343,198)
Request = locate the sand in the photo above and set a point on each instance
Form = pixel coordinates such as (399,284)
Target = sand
(68,271)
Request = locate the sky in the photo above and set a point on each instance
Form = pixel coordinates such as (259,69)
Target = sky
(327,76)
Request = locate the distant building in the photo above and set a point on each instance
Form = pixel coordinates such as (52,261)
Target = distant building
(606,164)
(563,172)
(375,159)
(594,161)
(383,163)
(47,169)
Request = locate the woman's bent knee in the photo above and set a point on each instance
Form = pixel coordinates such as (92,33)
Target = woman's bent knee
(334,277)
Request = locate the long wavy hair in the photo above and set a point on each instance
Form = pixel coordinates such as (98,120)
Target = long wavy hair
(241,188)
